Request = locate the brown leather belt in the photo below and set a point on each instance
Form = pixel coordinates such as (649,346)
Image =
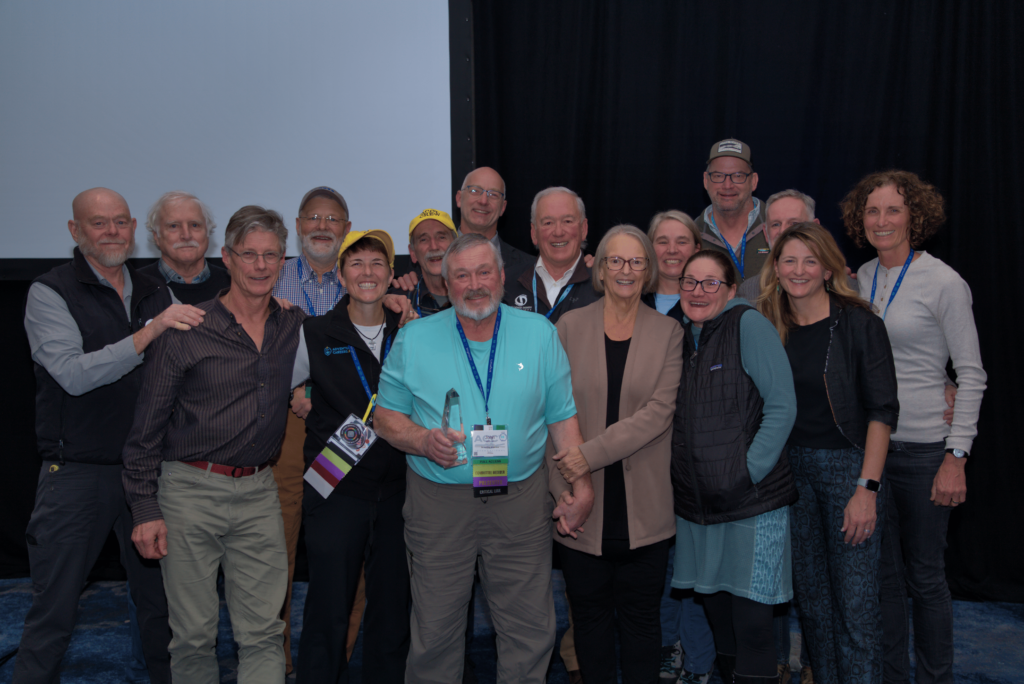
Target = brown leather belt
(230,471)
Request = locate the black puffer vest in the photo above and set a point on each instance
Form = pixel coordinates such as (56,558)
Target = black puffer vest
(718,412)
(93,427)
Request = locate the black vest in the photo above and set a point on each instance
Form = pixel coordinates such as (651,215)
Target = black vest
(93,427)
(338,392)
(193,293)
(718,412)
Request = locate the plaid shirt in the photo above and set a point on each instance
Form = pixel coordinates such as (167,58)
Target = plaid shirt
(298,284)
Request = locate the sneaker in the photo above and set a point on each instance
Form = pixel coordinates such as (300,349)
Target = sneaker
(693,678)
(806,676)
(671,662)
(784,673)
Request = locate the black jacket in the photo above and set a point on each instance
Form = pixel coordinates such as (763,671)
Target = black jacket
(675,312)
(519,292)
(93,427)
(338,392)
(718,413)
(193,293)
(860,376)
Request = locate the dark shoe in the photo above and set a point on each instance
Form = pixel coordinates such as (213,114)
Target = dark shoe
(784,674)
(693,678)
(671,663)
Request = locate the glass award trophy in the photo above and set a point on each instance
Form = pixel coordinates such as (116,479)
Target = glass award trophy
(451,401)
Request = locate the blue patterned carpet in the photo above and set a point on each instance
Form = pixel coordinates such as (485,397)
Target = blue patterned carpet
(989,637)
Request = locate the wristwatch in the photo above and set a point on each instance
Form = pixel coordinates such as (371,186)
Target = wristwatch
(957,453)
(870,485)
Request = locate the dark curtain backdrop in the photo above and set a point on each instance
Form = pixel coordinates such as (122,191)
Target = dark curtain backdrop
(621,101)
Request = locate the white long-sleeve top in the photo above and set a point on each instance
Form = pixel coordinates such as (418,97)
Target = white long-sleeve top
(930,321)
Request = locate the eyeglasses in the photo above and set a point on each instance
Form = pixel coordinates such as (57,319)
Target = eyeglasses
(738,177)
(315,219)
(251,257)
(710,285)
(476,191)
(615,263)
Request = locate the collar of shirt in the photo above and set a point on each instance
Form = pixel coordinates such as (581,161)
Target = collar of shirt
(752,218)
(220,317)
(552,286)
(299,285)
(126,293)
(171,276)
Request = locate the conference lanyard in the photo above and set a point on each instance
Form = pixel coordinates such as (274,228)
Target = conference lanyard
(565,293)
(309,302)
(490,363)
(896,287)
(743,247)
(362,376)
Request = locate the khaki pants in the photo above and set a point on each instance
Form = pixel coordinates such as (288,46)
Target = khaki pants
(445,529)
(234,523)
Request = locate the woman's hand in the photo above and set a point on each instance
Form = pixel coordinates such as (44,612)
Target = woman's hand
(859,516)
(571,464)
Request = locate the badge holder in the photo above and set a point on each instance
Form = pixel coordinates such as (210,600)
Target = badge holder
(451,400)
(490,460)
(344,449)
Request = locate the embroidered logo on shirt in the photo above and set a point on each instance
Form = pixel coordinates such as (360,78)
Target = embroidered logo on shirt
(717,366)
(521,300)
(520,366)
(336,350)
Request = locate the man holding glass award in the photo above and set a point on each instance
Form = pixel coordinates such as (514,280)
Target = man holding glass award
(471,395)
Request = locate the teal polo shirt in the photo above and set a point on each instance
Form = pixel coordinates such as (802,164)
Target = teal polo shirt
(531,389)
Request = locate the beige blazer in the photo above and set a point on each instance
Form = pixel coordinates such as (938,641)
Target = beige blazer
(642,439)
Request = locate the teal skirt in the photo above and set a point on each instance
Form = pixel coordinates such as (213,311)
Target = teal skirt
(749,557)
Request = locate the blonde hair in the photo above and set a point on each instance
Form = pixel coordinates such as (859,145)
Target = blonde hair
(675,215)
(773,303)
(650,273)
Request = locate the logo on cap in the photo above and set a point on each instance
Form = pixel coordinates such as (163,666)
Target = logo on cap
(730,146)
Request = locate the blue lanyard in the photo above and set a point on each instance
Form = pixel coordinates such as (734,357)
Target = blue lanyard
(490,364)
(359,369)
(418,312)
(565,293)
(743,247)
(896,287)
(312,311)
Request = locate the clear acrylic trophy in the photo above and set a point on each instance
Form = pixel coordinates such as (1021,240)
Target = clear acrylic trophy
(451,400)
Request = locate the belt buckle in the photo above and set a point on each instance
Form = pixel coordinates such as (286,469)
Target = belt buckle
(237,472)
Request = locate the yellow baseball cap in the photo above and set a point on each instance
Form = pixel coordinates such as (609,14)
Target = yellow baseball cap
(436,215)
(379,235)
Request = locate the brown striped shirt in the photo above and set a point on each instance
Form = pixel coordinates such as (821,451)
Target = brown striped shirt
(208,394)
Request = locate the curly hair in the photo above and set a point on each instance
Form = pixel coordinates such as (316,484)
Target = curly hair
(923,200)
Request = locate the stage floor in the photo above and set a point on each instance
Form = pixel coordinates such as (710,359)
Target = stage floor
(989,637)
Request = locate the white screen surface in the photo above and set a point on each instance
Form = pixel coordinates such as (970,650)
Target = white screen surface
(239,103)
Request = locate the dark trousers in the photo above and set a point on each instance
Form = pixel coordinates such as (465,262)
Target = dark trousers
(744,628)
(621,587)
(835,582)
(913,561)
(342,531)
(77,504)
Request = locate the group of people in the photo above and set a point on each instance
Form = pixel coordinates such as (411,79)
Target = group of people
(725,385)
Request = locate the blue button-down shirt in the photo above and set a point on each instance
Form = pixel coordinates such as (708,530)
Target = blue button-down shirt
(299,285)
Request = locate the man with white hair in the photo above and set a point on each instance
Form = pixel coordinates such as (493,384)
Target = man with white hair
(559,280)
(480,486)
(89,323)
(784,209)
(181,226)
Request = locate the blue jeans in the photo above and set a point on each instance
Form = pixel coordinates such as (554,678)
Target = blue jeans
(684,621)
(913,548)
(135,671)
(783,644)
(836,583)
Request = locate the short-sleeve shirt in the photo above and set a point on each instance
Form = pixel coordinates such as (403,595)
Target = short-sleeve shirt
(531,388)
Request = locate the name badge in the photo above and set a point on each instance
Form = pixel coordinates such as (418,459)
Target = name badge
(344,449)
(490,460)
